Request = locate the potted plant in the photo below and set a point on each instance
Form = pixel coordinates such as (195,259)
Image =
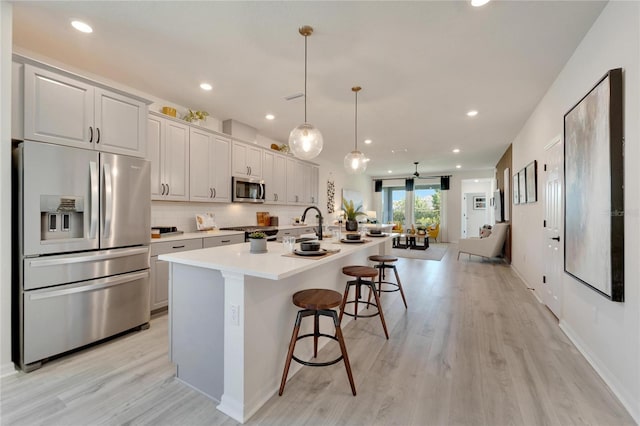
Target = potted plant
(351,213)
(258,242)
(195,116)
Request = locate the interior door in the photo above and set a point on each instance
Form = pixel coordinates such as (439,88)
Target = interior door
(125,218)
(553,254)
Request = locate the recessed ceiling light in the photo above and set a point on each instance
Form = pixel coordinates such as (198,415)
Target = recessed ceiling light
(368,141)
(478,3)
(472,113)
(205,86)
(389,171)
(476,180)
(269,116)
(458,166)
(81,26)
(456,150)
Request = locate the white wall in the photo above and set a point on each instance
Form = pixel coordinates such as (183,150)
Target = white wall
(607,333)
(6,366)
(452,202)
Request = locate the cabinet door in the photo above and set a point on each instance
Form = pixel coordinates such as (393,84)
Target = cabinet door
(306,182)
(315,185)
(200,168)
(176,161)
(159,276)
(57,109)
(239,159)
(280,178)
(294,183)
(155,136)
(254,161)
(268,163)
(221,163)
(119,124)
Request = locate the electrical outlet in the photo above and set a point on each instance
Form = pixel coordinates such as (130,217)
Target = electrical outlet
(235,314)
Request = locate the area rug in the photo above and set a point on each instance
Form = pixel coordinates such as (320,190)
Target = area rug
(434,252)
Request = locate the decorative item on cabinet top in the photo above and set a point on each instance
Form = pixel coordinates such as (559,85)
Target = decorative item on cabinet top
(169,111)
(195,116)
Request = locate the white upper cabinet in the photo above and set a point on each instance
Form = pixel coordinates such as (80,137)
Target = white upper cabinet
(294,182)
(169,154)
(247,160)
(210,159)
(67,111)
(274,174)
(315,184)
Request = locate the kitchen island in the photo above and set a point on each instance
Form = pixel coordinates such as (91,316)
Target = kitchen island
(231,315)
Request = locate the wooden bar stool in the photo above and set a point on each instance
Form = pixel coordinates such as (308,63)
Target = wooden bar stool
(387,262)
(317,302)
(360,272)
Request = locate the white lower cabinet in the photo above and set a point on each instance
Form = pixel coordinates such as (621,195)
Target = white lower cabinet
(222,241)
(159,271)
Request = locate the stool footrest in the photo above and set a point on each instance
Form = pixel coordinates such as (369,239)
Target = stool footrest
(357,315)
(397,287)
(317,364)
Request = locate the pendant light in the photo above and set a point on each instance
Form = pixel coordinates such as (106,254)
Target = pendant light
(305,141)
(355,162)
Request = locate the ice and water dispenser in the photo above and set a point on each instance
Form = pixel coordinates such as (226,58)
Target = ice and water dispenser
(61,217)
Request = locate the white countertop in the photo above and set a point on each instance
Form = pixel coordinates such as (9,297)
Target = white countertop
(198,234)
(271,265)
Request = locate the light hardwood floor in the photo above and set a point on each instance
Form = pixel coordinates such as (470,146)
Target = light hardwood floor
(474,348)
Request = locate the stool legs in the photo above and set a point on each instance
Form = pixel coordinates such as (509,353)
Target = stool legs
(316,333)
(372,289)
(381,273)
(292,345)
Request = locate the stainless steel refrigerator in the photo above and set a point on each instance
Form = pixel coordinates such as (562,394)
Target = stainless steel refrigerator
(83,248)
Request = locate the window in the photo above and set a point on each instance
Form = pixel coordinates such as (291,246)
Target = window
(426,206)
(394,199)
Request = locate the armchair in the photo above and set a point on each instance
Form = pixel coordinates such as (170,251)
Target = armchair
(490,246)
(433,231)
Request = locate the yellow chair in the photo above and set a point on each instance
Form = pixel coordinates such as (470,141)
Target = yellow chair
(433,231)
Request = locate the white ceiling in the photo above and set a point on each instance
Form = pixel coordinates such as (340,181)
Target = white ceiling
(422,66)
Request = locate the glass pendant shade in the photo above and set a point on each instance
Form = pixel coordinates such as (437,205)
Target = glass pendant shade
(305,141)
(355,162)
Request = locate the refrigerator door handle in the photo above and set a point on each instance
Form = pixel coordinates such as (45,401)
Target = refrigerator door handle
(93,172)
(95,285)
(72,259)
(108,203)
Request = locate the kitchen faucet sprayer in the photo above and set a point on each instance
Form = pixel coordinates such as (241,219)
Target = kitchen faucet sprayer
(319,231)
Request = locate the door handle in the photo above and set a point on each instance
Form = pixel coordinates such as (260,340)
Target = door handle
(556,238)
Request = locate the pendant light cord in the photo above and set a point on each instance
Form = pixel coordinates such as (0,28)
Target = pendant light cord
(356,121)
(305,79)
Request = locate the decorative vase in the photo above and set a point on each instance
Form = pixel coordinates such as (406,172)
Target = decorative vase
(351,225)
(258,245)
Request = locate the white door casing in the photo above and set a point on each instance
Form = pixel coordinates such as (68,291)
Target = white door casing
(553,247)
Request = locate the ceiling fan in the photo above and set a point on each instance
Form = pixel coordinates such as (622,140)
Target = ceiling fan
(416,174)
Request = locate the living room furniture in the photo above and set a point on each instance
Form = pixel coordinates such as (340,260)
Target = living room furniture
(411,241)
(433,231)
(317,302)
(488,247)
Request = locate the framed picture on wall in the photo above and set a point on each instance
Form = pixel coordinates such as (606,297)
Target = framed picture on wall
(522,186)
(532,181)
(516,190)
(479,203)
(594,194)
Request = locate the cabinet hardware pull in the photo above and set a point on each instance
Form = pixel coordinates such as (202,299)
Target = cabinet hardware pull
(98,132)
(556,238)
(162,186)
(215,193)
(167,189)
(177,247)
(210,193)
(225,241)
(90,134)
(250,170)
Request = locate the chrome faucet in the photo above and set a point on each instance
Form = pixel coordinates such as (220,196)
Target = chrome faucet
(319,231)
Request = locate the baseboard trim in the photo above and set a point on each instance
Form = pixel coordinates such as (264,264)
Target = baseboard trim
(618,390)
(7,369)
(526,284)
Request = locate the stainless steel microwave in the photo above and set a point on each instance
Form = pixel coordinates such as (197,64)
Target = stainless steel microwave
(247,190)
